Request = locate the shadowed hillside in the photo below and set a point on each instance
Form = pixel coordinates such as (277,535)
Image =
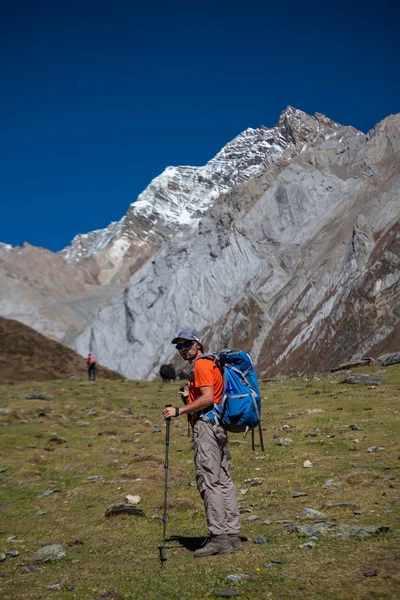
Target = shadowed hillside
(28,355)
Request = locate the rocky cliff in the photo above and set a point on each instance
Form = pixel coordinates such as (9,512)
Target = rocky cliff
(297,263)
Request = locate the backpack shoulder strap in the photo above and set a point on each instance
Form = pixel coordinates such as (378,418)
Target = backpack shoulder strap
(209,356)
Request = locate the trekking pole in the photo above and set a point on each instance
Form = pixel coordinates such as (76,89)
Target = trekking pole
(162,548)
(261,436)
(188,417)
(253,447)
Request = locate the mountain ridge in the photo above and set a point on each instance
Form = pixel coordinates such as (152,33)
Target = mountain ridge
(175,200)
(284,219)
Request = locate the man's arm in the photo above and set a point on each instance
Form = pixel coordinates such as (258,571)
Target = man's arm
(205,400)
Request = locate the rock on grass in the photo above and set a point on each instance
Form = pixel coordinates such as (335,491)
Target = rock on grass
(123,509)
(364,379)
(312,513)
(49,553)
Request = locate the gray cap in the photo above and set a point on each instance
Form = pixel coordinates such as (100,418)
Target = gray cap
(186,334)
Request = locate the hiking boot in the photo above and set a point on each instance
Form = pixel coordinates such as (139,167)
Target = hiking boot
(217,544)
(235,542)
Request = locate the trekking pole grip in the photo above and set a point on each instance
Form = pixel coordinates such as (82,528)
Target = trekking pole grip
(167,431)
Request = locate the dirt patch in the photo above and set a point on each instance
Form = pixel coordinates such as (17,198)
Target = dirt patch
(367,478)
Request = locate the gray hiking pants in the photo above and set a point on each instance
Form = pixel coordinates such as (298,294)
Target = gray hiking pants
(214,483)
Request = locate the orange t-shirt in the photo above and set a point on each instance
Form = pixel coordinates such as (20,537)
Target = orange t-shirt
(206,373)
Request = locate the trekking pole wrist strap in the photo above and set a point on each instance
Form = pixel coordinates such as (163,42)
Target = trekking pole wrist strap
(177,411)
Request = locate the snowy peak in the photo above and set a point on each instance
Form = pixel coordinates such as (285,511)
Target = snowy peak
(180,195)
(176,199)
(85,244)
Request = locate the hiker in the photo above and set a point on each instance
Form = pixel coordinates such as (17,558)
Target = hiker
(91,363)
(212,477)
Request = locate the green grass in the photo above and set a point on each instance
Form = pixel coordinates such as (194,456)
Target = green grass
(121,553)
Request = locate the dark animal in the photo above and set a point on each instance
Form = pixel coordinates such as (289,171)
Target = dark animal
(168,373)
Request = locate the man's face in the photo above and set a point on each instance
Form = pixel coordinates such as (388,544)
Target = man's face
(188,349)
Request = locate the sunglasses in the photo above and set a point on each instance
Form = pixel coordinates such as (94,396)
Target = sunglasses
(185,344)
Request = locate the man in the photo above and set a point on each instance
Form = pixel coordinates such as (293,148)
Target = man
(91,363)
(212,476)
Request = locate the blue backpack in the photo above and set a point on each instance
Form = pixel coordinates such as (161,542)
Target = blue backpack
(240,406)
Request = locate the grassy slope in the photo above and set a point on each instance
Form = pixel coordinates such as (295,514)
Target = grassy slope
(121,553)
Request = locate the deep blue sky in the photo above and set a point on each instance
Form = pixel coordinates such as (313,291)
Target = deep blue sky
(97,98)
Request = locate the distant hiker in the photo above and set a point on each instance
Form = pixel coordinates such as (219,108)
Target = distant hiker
(91,363)
(212,477)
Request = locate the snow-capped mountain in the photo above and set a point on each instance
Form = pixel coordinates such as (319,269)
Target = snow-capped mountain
(176,200)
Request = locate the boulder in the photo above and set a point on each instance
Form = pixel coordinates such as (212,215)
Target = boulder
(385,360)
(50,553)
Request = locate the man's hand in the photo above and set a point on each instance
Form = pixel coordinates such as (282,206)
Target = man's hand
(184,394)
(205,400)
(168,412)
